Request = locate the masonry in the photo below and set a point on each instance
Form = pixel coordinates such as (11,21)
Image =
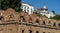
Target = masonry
(14,22)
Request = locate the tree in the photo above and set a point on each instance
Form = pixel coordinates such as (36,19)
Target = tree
(0,3)
(14,4)
(57,17)
(38,14)
(53,11)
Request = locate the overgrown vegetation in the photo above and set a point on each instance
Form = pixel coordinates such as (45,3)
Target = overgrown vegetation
(38,14)
(57,17)
(14,4)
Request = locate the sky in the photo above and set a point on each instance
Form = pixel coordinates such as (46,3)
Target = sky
(51,4)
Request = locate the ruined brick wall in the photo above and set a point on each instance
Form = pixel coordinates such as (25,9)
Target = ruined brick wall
(21,22)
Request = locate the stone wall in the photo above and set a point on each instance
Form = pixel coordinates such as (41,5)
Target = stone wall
(22,22)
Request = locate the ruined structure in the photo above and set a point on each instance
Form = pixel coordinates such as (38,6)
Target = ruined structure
(14,22)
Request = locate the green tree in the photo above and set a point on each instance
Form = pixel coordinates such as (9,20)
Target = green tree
(0,3)
(14,4)
(1,0)
(38,14)
(57,17)
(53,11)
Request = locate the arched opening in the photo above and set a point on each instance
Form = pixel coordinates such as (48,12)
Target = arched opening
(59,24)
(37,21)
(23,19)
(1,17)
(54,24)
(30,31)
(22,31)
(44,23)
(37,31)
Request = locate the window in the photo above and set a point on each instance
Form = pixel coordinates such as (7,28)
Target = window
(24,19)
(28,9)
(37,21)
(59,24)
(54,24)
(43,22)
(31,10)
(43,32)
(22,31)
(30,31)
(25,8)
(37,31)
(1,17)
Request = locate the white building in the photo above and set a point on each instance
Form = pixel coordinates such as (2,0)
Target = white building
(44,11)
(28,8)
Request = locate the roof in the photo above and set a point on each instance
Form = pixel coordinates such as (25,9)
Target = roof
(27,3)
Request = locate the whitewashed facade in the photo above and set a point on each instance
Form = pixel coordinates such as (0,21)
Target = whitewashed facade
(44,11)
(28,8)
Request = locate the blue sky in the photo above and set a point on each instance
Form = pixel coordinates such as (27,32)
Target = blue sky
(51,4)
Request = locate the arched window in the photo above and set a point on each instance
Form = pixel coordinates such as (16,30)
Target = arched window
(22,18)
(31,10)
(54,24)
(43,22)
(37,31)
(28,9)
(59,24)
(1,17)
(37,21)
(30,31)
(24,8)
(43,32)
(22,31)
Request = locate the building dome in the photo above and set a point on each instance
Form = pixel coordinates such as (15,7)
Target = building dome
(44,6)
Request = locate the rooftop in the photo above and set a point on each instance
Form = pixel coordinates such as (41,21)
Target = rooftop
(27,3)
